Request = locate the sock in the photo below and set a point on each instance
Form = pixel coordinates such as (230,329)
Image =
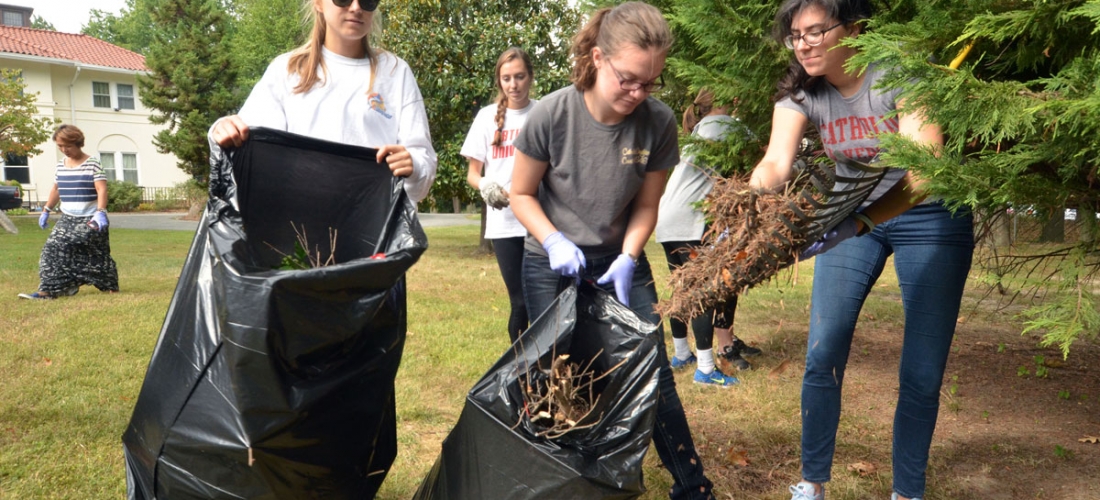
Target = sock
(706,361)
(683,350)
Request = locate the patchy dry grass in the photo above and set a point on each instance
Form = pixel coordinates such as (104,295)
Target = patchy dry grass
(73,367)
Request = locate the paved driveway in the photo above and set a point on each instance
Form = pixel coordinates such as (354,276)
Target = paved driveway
(172,221)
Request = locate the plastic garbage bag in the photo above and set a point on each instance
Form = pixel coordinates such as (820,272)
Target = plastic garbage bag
(269,383)
(494,451)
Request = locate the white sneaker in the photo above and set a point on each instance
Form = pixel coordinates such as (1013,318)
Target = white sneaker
(894,496)
(805,491)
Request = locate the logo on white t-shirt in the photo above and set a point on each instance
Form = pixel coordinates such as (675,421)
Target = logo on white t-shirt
(377,104)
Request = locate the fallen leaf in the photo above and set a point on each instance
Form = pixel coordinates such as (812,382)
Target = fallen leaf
(863,468)
(47,361)
(741,256)
(779,369)
(727,277)
(961,320)
(740,458)
(693,253)
(1090,439)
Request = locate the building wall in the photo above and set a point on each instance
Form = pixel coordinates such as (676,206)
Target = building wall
(106,130)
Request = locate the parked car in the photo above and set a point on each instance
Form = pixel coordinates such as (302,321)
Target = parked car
(10,197)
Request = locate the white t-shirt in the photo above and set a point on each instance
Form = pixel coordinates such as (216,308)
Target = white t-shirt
(498,160)
(343,108)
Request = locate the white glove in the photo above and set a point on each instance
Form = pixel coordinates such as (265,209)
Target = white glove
(494,194)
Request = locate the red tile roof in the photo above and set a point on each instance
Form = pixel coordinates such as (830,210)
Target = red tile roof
(68,47)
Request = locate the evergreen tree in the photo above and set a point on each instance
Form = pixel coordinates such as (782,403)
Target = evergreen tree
(192,80)
(1013,83)
(452,47)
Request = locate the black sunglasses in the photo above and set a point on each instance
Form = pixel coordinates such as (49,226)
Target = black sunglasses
(367,5)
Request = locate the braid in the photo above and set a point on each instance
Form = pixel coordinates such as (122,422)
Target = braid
(502,108)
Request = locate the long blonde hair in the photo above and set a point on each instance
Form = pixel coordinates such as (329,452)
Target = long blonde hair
(306,60)
(507,56)
(636,23)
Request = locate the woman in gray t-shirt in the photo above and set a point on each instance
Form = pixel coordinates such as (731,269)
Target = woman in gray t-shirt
(931,247)
(590,166)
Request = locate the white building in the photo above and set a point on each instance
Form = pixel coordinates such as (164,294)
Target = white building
(92,84)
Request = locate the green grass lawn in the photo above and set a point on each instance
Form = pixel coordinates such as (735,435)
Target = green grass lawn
(73,367)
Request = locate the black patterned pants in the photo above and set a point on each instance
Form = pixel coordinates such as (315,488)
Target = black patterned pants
(76,255)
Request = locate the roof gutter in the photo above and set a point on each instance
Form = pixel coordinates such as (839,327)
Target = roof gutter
(72,101)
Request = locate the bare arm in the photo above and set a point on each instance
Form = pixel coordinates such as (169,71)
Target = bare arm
(908,192)
(101,194)
(53,198)
(644,216)
(526,177)
(473,173)
(775,168)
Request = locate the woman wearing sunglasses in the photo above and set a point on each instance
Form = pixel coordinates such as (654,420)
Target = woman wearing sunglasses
(589,170)
(932,248)
(338,88)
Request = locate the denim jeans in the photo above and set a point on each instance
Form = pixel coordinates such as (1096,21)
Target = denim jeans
(932,252)
(671,435)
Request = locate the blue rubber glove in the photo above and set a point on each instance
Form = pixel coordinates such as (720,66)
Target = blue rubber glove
(841,232)
(621,272)
(44,219)
(565,257)
(100,218)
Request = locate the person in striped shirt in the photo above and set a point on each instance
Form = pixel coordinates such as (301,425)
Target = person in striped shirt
(78,250)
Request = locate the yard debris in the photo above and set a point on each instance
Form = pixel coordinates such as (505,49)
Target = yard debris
(561,399)
(1090,440)
(863,468)
(753,233)
(303,258)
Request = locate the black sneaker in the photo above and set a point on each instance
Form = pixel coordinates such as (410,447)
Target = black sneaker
(731,355)
(744,349)
(68,292)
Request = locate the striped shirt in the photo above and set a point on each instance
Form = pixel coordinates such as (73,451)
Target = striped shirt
(77,186)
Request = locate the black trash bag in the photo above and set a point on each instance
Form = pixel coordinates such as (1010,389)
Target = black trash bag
(273,383)
(488,456)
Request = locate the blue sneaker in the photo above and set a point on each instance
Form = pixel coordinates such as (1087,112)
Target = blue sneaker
(805,491)
(36,296)
(715,377)
(680,364)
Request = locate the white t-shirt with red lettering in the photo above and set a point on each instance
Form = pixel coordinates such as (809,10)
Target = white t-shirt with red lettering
(851,124)
(498,160)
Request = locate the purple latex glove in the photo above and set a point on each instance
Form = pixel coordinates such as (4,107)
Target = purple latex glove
(841,232)
(100,218)
(565,257)
(44,219)
(621,272)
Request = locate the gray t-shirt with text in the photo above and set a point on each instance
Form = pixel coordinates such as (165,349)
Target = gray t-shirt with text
(851,125)
(594,170)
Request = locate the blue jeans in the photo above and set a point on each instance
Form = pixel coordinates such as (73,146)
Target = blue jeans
(932,252)
(671,435)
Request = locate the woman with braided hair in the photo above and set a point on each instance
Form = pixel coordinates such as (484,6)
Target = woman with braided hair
(488,147)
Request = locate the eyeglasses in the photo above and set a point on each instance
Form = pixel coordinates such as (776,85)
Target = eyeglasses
(367,5)
(813,38)
(648,87)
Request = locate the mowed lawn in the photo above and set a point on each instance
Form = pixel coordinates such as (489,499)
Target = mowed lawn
(72,368)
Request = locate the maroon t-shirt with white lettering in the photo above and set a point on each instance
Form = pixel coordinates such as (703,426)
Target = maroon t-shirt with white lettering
(851,125)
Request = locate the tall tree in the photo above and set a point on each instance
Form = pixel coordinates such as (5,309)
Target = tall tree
(265,29)
(452,47)
(131,29)
(41,24)
(1021,112)
(20,130)
(192,80)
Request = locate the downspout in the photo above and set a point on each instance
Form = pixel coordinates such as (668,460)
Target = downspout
(72,101)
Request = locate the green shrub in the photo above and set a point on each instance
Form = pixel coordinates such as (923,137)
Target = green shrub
(192,192)
(17,211)
(145,207)
(122,196)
